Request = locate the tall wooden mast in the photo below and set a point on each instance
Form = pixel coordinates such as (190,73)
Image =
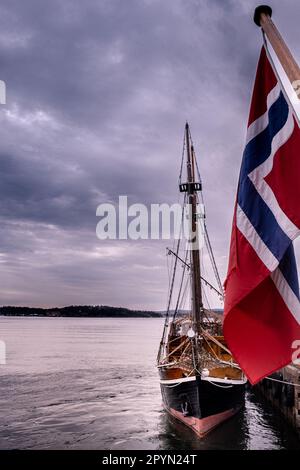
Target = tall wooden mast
(194,252)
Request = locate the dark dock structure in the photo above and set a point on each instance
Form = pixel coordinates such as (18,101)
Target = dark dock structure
(282,390)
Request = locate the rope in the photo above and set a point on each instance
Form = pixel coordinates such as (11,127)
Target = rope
(214,354)
(169,277)
(180,288)
(206,236)
(162,342)
(212,338)
(182,158)
(184,294)
(212,259)
(183,343)
(230,386)
(172,386)
(218,385)
(230,364)
(205,283)
(283,382)
(176,385)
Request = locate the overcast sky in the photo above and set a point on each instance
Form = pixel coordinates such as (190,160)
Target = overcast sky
(98,93)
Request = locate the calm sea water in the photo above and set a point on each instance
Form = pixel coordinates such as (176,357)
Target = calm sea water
(91,384)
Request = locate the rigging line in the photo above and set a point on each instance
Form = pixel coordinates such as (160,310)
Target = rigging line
(184,294)
(212,260)
(181,225)
(213,383)
(173,267)
(221,361)
(166,323)
(175,262)
(190,135)
(182,158)
(202,278)
(203,290)
(282,381)
(169,283)
(206,299)
(183,352)
(203,270)
(169,277)
(218,279)
(178,361)
(183,343)
(214,340)
(179,383)
(169,270)
(211,255)
(180,288)
(198,173)
(217,357)
(206,236)
(218,385)
(205,311)
(184,262)
(174,274)
(206,283)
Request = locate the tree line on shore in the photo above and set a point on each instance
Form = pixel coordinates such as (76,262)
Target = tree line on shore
(92,311)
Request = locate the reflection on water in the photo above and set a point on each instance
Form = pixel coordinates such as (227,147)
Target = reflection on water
(254,427)
(91,384)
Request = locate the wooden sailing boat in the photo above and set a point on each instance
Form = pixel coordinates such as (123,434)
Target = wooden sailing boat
(201,384)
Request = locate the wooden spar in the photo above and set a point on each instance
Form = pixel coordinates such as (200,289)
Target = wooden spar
(262,17)
(195,255)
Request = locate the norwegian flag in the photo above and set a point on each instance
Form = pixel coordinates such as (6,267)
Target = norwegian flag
(262,308)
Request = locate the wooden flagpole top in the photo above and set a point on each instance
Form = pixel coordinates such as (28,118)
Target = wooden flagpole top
(261,9)
(262,17)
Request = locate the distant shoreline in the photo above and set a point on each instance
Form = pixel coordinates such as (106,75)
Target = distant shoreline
(78,311)
(84,311)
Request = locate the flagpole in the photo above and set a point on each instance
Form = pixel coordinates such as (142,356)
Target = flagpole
(262,18)
(295,114)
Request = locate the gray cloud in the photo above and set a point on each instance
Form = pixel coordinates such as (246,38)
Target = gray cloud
(98,94)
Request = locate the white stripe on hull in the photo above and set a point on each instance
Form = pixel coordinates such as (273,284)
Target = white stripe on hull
(207,379)
(178,381)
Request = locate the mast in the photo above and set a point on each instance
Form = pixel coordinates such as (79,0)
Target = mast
(194,252)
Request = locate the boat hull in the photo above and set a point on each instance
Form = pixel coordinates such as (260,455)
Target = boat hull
(201,404)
